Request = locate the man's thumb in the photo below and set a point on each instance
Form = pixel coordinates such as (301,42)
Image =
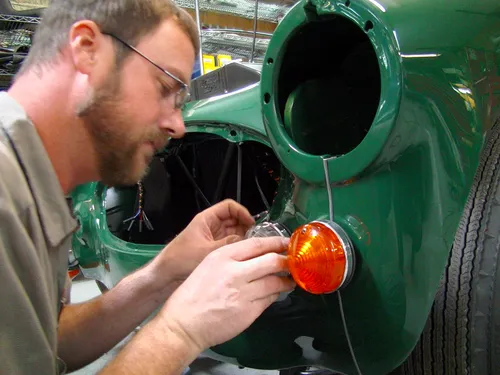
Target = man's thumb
(228,240)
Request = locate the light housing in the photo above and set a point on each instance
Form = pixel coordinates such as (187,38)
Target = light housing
(267,229)
(320,257)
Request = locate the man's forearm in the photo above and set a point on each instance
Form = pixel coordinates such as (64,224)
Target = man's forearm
(88,330)
(155,350)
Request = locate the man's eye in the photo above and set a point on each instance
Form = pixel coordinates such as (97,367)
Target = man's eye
(165,90)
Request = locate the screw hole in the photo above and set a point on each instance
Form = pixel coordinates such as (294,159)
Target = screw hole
(232,133)
(368,26)
(270,61)
(347,3)
(288,151)
(267,98)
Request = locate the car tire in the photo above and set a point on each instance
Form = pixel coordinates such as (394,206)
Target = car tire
(462,334)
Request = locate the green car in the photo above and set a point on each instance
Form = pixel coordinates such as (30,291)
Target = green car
(373,123)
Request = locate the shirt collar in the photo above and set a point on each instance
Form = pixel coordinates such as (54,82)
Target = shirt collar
(55,214)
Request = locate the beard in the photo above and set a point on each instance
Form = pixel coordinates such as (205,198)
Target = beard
(120,158)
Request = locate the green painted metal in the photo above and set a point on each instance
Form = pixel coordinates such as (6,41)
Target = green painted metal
(399,194)
(401,191)
(239,109)
(101,255)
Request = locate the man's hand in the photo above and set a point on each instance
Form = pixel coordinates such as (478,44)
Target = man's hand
(217,226)
(117,312)
(222,297)
(227,292)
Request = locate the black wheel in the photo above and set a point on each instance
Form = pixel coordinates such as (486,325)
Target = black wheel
(462,334)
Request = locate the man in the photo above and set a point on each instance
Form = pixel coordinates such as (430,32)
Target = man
(100,91)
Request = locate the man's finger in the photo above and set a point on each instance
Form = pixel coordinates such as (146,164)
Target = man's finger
(264,265)
(257,246)
(232,238)
(269,286)
(228,228)
(264,303)
(239,230)
(230,209)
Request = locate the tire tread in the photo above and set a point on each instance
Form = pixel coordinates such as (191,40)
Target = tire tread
(461,314)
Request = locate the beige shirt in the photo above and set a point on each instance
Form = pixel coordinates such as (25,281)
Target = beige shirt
(35,233)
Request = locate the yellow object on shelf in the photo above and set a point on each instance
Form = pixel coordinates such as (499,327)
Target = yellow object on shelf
(208,63)
(223,60)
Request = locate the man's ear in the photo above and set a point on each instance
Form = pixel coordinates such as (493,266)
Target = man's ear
(85,42)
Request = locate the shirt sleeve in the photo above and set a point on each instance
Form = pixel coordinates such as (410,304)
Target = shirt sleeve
(28,312)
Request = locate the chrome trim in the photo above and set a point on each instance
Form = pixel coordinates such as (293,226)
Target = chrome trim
(348,249)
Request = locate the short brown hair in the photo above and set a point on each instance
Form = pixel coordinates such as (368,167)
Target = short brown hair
(129,19)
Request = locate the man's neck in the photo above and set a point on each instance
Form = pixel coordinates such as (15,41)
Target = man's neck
(49,103)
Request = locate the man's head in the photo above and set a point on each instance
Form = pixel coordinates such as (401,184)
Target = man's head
(130,62)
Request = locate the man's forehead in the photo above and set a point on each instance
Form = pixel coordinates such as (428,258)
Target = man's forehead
(171,49)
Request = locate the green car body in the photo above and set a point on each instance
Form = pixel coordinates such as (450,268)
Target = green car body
(400,153)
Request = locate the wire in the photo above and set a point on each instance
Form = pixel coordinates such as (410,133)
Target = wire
(341,305)
(192,181)
(240,167)
(328,189)
(262,195)
(140,215)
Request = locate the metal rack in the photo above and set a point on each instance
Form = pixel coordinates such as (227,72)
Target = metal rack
(16,31)
(239,8)
(16,34)
(227,41)
(233,43)
(19,19)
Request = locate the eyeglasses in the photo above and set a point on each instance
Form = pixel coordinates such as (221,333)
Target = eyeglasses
(182,96)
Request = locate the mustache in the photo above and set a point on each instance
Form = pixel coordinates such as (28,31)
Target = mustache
(159,140)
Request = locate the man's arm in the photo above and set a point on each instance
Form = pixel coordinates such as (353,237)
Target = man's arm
(209,308)
(89,329)
(156,349)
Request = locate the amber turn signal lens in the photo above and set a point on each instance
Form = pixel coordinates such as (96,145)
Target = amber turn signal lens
(320,257)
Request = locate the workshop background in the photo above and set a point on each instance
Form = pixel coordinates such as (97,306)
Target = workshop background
(231,30)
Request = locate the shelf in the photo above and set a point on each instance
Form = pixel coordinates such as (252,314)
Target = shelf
(22,19)
(240,8)
(238,46)
(233,14)
(271,11)
(4,72)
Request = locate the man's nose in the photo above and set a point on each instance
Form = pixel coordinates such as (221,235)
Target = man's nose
(173,124)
